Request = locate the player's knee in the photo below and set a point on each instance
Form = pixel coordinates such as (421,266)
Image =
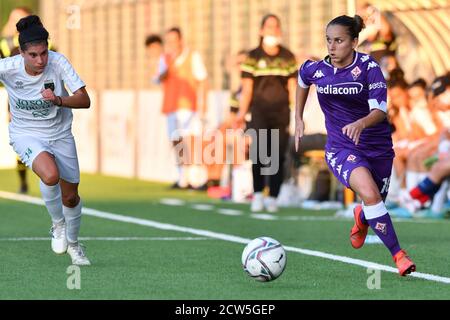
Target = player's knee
(70,200)
(50,178)
(370,196)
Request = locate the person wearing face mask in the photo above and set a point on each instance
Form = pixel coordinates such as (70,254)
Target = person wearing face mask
(352,94)
(268,89)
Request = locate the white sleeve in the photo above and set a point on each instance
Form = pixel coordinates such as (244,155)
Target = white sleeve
(3,68)
(69,75)
(198,67)
(162,68)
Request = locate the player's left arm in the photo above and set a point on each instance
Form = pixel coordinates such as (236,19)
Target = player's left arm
(79,100)
(377,103)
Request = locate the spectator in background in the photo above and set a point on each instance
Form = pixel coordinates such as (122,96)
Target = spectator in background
(154,50)
(268,88)
(9,43)
(378,38)
(183,76)
(389,63)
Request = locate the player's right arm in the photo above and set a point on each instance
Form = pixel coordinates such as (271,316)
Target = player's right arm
(300,100)
(301,95)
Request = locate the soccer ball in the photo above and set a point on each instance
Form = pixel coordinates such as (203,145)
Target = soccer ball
(264,259)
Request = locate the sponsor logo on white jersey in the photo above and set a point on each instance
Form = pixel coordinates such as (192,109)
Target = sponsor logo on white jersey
(345,88)
(19,84)
(318,74)
(372,64)
(377,85)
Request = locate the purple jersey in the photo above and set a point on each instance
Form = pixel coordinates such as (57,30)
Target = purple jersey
(346,95)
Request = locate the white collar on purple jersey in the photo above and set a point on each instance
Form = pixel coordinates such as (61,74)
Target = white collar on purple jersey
(349,66)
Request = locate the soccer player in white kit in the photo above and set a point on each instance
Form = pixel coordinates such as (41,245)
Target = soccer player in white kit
(40,128)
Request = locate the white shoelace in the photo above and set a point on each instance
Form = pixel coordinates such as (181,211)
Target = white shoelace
(79,250)
(58,230)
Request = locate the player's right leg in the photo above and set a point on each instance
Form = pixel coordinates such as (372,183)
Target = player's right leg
(45,167)
(36,154)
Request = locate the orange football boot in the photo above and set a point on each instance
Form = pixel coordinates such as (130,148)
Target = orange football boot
(359,230)
(404,263)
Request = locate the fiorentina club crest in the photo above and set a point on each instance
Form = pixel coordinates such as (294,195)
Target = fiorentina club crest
(351,158)
(381,227)
(356,72)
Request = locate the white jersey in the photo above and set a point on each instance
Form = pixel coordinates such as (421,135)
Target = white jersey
(30,113)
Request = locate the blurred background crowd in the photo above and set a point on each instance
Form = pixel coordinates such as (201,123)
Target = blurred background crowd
(124,50)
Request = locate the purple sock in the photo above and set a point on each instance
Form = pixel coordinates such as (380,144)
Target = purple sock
(363,218)
(384,229)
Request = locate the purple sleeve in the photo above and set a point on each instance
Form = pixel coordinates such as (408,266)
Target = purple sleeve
(304,74)
(377,87)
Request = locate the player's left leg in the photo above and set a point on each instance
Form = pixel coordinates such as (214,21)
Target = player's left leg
(72,206)
(377,217)
(67,162)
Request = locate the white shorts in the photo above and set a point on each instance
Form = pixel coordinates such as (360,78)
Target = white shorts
(64,150)
(182,123)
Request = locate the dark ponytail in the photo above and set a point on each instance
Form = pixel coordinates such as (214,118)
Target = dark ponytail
(354,25)
(31,31)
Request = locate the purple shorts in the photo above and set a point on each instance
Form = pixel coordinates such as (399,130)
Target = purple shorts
(343,161)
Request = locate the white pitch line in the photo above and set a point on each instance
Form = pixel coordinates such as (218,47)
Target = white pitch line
(227,237)
(229,212)
(233,212)
(109,238)
(263,216)
(203,207)
(172,202)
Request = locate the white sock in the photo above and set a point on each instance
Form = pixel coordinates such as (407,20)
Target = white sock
(73,222)
(52,198)
(374,211)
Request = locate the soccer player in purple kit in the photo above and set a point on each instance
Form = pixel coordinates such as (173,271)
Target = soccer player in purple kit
(352,94)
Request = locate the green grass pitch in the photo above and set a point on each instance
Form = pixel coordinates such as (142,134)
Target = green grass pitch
(167,264)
